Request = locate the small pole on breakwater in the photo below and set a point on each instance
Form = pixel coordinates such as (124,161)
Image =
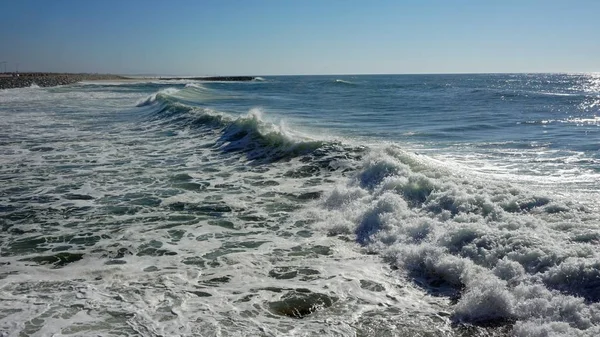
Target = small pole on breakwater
(3,63)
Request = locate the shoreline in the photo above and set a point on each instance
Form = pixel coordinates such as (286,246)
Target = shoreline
(24,80)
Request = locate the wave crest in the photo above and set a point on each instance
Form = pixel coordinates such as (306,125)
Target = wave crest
(340,81)
(259,140)
(157,95)
(263,140)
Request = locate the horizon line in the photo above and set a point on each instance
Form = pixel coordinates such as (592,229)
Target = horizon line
(376,74)
(324,74)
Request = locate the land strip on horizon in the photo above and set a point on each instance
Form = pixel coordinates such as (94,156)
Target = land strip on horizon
(41,79)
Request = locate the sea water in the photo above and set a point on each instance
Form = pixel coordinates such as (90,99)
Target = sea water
(400,205)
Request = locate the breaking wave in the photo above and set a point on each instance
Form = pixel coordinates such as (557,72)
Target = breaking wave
(164,93)
(339,81)
(475,241)
(260,140)
(504,255)
(197,192)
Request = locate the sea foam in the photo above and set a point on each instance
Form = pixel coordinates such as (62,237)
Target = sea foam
(475,240)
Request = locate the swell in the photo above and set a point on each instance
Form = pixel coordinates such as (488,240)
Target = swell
(528,94)
(261,140)
(344,82)
(336,83)
(162,96)
(258,139)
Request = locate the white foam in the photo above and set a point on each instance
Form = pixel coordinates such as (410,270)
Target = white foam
(152,98)
(493,242)
(343,81)
(595,120)
(201,231)
(158,217)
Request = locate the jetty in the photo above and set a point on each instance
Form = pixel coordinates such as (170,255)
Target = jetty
(213,78)
(22,80)
(41,79)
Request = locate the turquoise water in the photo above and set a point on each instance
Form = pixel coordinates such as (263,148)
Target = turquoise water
(433,205)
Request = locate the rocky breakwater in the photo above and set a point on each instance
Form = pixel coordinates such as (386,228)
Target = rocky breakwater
(213,78)
(21,80)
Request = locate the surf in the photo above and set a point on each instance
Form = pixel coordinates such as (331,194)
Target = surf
(260,140)
(472,240)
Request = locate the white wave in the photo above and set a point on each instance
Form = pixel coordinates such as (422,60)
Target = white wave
(585,121)
(262,139)
(194,85)
(506,252)
(152,98)
(559,94)
(595,120)
(343,81)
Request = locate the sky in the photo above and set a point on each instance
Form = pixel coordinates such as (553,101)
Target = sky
(285,37)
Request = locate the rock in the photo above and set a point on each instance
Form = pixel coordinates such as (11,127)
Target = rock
(8,81)
(58,260)
(299,304)
(214,78)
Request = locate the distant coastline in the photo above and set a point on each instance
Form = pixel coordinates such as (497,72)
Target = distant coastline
(23,80)
(213,78)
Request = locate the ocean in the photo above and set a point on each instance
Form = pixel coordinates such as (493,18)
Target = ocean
(368,205)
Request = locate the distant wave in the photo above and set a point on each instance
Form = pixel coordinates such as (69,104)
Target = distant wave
(340,81)
(559,94)
(595,120)
(508,94)
(152,98)
(194,85)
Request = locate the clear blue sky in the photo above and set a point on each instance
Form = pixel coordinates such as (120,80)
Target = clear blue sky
(300,37)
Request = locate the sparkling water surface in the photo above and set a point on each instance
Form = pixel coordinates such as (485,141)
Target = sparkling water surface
(384,205)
